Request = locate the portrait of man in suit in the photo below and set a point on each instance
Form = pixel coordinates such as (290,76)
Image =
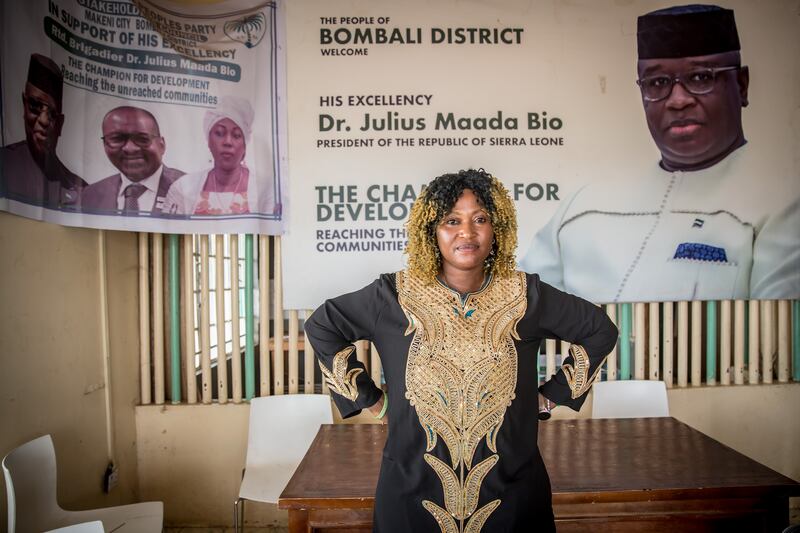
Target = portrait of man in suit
(30,170)
(134,145)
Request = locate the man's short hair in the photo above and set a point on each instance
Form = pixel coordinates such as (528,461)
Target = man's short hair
(686,31)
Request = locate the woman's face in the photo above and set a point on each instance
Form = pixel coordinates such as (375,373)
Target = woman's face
(465,235)
(226,142)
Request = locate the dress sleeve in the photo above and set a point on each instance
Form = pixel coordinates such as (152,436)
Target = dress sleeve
(332,329)
(569,318)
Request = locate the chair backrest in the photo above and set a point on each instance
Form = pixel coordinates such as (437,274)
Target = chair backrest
(283,426)
(629,399)
(85,527)
(30,473)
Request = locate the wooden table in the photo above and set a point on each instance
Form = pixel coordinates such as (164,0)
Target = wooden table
(649,474)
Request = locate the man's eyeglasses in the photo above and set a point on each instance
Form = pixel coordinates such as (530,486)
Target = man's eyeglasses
(118,140)
(37,107)
(701,81)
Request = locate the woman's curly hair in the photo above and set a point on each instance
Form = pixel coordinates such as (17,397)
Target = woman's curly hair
(438,199)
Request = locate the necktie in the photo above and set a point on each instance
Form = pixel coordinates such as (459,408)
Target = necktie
(132,193)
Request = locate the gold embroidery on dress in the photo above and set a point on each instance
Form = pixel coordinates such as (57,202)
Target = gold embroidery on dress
(339,379)
(461,375)
(578,376)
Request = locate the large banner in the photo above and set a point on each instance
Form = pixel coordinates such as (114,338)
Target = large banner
(385,95)
(145,115)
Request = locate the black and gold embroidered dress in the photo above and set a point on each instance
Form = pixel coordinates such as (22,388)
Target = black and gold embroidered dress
(461,454)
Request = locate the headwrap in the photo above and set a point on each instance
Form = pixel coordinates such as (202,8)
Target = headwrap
(235,108)
(44,74)
(686,31)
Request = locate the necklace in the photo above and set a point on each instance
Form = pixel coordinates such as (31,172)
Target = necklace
(215,182)
(215,197)
(465,294)
(465,309)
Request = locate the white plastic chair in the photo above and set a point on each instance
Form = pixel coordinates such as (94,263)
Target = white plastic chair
(281,430)
(85,527)
(30,473)
(630,399)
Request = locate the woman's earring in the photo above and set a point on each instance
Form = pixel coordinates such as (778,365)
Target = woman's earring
(488,263)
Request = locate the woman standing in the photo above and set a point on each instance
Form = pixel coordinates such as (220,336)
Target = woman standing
(228,188)
(458,332)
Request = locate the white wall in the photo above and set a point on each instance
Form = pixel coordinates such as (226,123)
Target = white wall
(762,422)
(51,354)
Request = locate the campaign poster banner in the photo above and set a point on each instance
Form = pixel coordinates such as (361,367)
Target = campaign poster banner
(385,96)
(144,115)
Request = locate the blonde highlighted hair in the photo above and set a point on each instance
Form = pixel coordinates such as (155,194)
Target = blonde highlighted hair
(438,199)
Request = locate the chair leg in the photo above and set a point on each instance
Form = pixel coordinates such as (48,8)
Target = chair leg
(236,503)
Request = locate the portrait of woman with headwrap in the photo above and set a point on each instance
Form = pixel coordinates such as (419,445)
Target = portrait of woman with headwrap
(458,333)
(228,188)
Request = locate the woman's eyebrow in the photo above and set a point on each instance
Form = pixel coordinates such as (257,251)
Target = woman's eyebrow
(457,212)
